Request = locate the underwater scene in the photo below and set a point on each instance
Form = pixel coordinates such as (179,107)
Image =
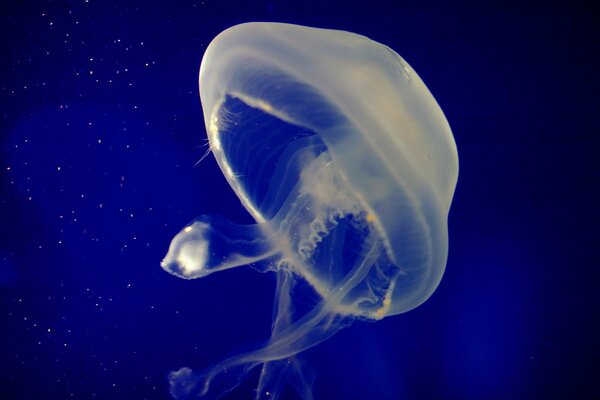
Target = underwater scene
(299,200)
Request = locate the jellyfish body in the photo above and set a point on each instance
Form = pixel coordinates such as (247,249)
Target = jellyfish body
(343,157)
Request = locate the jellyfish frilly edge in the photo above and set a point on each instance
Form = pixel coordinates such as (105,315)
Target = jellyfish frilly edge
(340,153)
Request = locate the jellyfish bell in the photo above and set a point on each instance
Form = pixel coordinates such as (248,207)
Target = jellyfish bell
(343,157)
(388,138)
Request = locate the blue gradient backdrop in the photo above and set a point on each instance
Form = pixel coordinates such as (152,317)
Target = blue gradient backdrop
(100,128)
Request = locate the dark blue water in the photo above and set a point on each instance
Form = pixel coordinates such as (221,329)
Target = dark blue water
(100,129)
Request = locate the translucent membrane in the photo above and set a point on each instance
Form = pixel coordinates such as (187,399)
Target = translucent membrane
(345,160)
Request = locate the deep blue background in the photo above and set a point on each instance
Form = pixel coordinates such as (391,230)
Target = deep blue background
(100,128)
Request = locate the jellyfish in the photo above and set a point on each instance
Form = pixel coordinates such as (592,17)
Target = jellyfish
(344,159)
